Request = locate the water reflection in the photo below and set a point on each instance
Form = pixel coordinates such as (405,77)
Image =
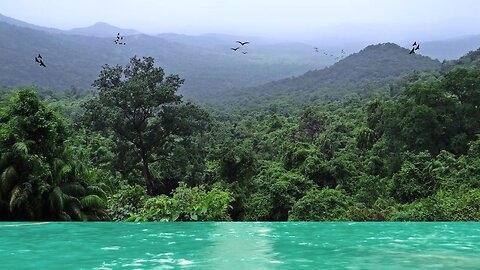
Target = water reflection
(242,246)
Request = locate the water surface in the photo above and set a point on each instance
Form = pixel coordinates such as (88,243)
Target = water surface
(240,245)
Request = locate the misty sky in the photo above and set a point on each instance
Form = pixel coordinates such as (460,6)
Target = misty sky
(378,20)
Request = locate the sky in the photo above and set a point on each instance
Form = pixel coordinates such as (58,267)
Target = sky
(304,20)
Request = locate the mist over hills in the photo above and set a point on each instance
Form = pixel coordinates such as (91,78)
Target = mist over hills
(75,60)
(101,29)
(212,71)
(364,72)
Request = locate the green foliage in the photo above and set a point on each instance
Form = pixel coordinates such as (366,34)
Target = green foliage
(276,190)
(140,106)
(187,204)
(126,202)
(40,177)
(413,155)
(321,205)
(443,206)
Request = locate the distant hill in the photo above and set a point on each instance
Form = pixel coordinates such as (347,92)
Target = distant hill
(471,59)
(451,48)
(15,22)
(102,29)
(365,72)
(75,61)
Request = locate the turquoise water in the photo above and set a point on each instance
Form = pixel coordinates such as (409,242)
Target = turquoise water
(240,245)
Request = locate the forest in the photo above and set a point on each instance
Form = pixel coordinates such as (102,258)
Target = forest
(135,150)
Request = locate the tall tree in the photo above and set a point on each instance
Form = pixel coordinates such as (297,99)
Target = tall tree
(140,105)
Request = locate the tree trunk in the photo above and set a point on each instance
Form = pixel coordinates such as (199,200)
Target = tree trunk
(147,176)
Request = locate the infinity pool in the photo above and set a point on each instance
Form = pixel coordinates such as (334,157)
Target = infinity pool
(240,245)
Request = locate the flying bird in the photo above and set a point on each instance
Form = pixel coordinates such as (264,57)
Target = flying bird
(418,47)
(42,64)
(412,51)
(414,44)
(243,42)
(39,56)
(244,52)
(36,60)
(235,49)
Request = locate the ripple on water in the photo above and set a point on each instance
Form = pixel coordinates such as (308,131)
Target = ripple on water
(110,248)
(184,262)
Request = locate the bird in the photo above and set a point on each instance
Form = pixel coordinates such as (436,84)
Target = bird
(121,37)
(412,51)
(235,49)
(42,64)
(39,56)
(36,60)
(414,44)
(418,47)
(243,42)
(244,52)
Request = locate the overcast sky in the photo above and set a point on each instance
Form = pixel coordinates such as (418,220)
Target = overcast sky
(383,20)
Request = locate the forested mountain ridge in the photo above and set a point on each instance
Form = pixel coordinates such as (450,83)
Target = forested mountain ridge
(365,72)
(74,61)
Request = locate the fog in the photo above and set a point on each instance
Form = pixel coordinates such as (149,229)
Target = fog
(300,20)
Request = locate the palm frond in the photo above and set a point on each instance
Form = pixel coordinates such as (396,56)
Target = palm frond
(7,178)
(92,202)
(20,148)
(56,200)
(96,190)
(106,188)
(64,217)
(73,189)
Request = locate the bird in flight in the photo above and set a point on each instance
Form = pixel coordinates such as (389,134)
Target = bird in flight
(412,51)
(414,44)
(38,59)
(119,38)
(418,47)
(242,42)
(235,49)
(244,52)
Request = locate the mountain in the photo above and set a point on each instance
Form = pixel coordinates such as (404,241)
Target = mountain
(102,29)
(470,60)
(75,61)
(365,73)
(15,22)
(451,48)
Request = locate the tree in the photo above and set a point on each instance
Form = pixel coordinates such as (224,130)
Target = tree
(40,176)
(321,205)
(140,105)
